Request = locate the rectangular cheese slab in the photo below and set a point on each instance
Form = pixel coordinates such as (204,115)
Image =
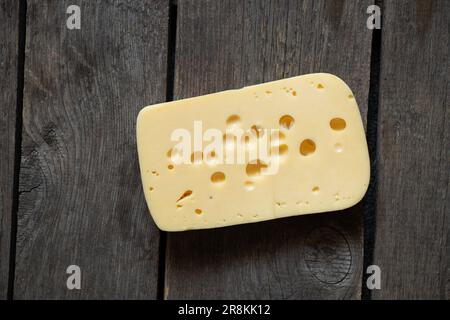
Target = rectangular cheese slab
(284,148)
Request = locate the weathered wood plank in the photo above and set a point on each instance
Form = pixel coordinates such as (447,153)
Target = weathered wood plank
(228,44)
(80,192)
(9,17)
(413,144)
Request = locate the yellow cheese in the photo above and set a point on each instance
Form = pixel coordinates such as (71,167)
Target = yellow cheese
(284,148)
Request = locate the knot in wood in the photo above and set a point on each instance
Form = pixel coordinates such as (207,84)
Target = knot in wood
(327,255)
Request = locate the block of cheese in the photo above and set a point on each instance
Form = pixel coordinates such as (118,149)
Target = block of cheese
(289,147)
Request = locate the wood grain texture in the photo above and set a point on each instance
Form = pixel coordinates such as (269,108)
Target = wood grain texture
(9,16)
(229,44)
(80,191)
(413,144)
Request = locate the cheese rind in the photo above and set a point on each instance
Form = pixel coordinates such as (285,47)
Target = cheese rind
(322,163)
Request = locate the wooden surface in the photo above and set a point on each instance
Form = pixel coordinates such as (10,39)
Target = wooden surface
(413,151)
(230,44)
(9,17)
(80,193)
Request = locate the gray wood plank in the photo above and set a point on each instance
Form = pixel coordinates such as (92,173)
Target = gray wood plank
(9,16)
(413,143)
(80,191)
(228,44)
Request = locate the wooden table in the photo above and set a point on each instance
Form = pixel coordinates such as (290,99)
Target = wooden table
(69,175)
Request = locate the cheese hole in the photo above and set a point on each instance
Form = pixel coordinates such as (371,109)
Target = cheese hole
(281,149)
(218,177)
(320,86)
(338,147)
(151,188)
(212,155)
(173,154)
(186,194)
(315,189)
(268,92)
(257,130)
(277,137)
(350,96)
(196,157)
(211,158)
(294,93)
(246,139)
(338,124)
(307,147)
(249,185)
(286,122)
(170,167)
(233,120)
(254,168)
(198,211)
